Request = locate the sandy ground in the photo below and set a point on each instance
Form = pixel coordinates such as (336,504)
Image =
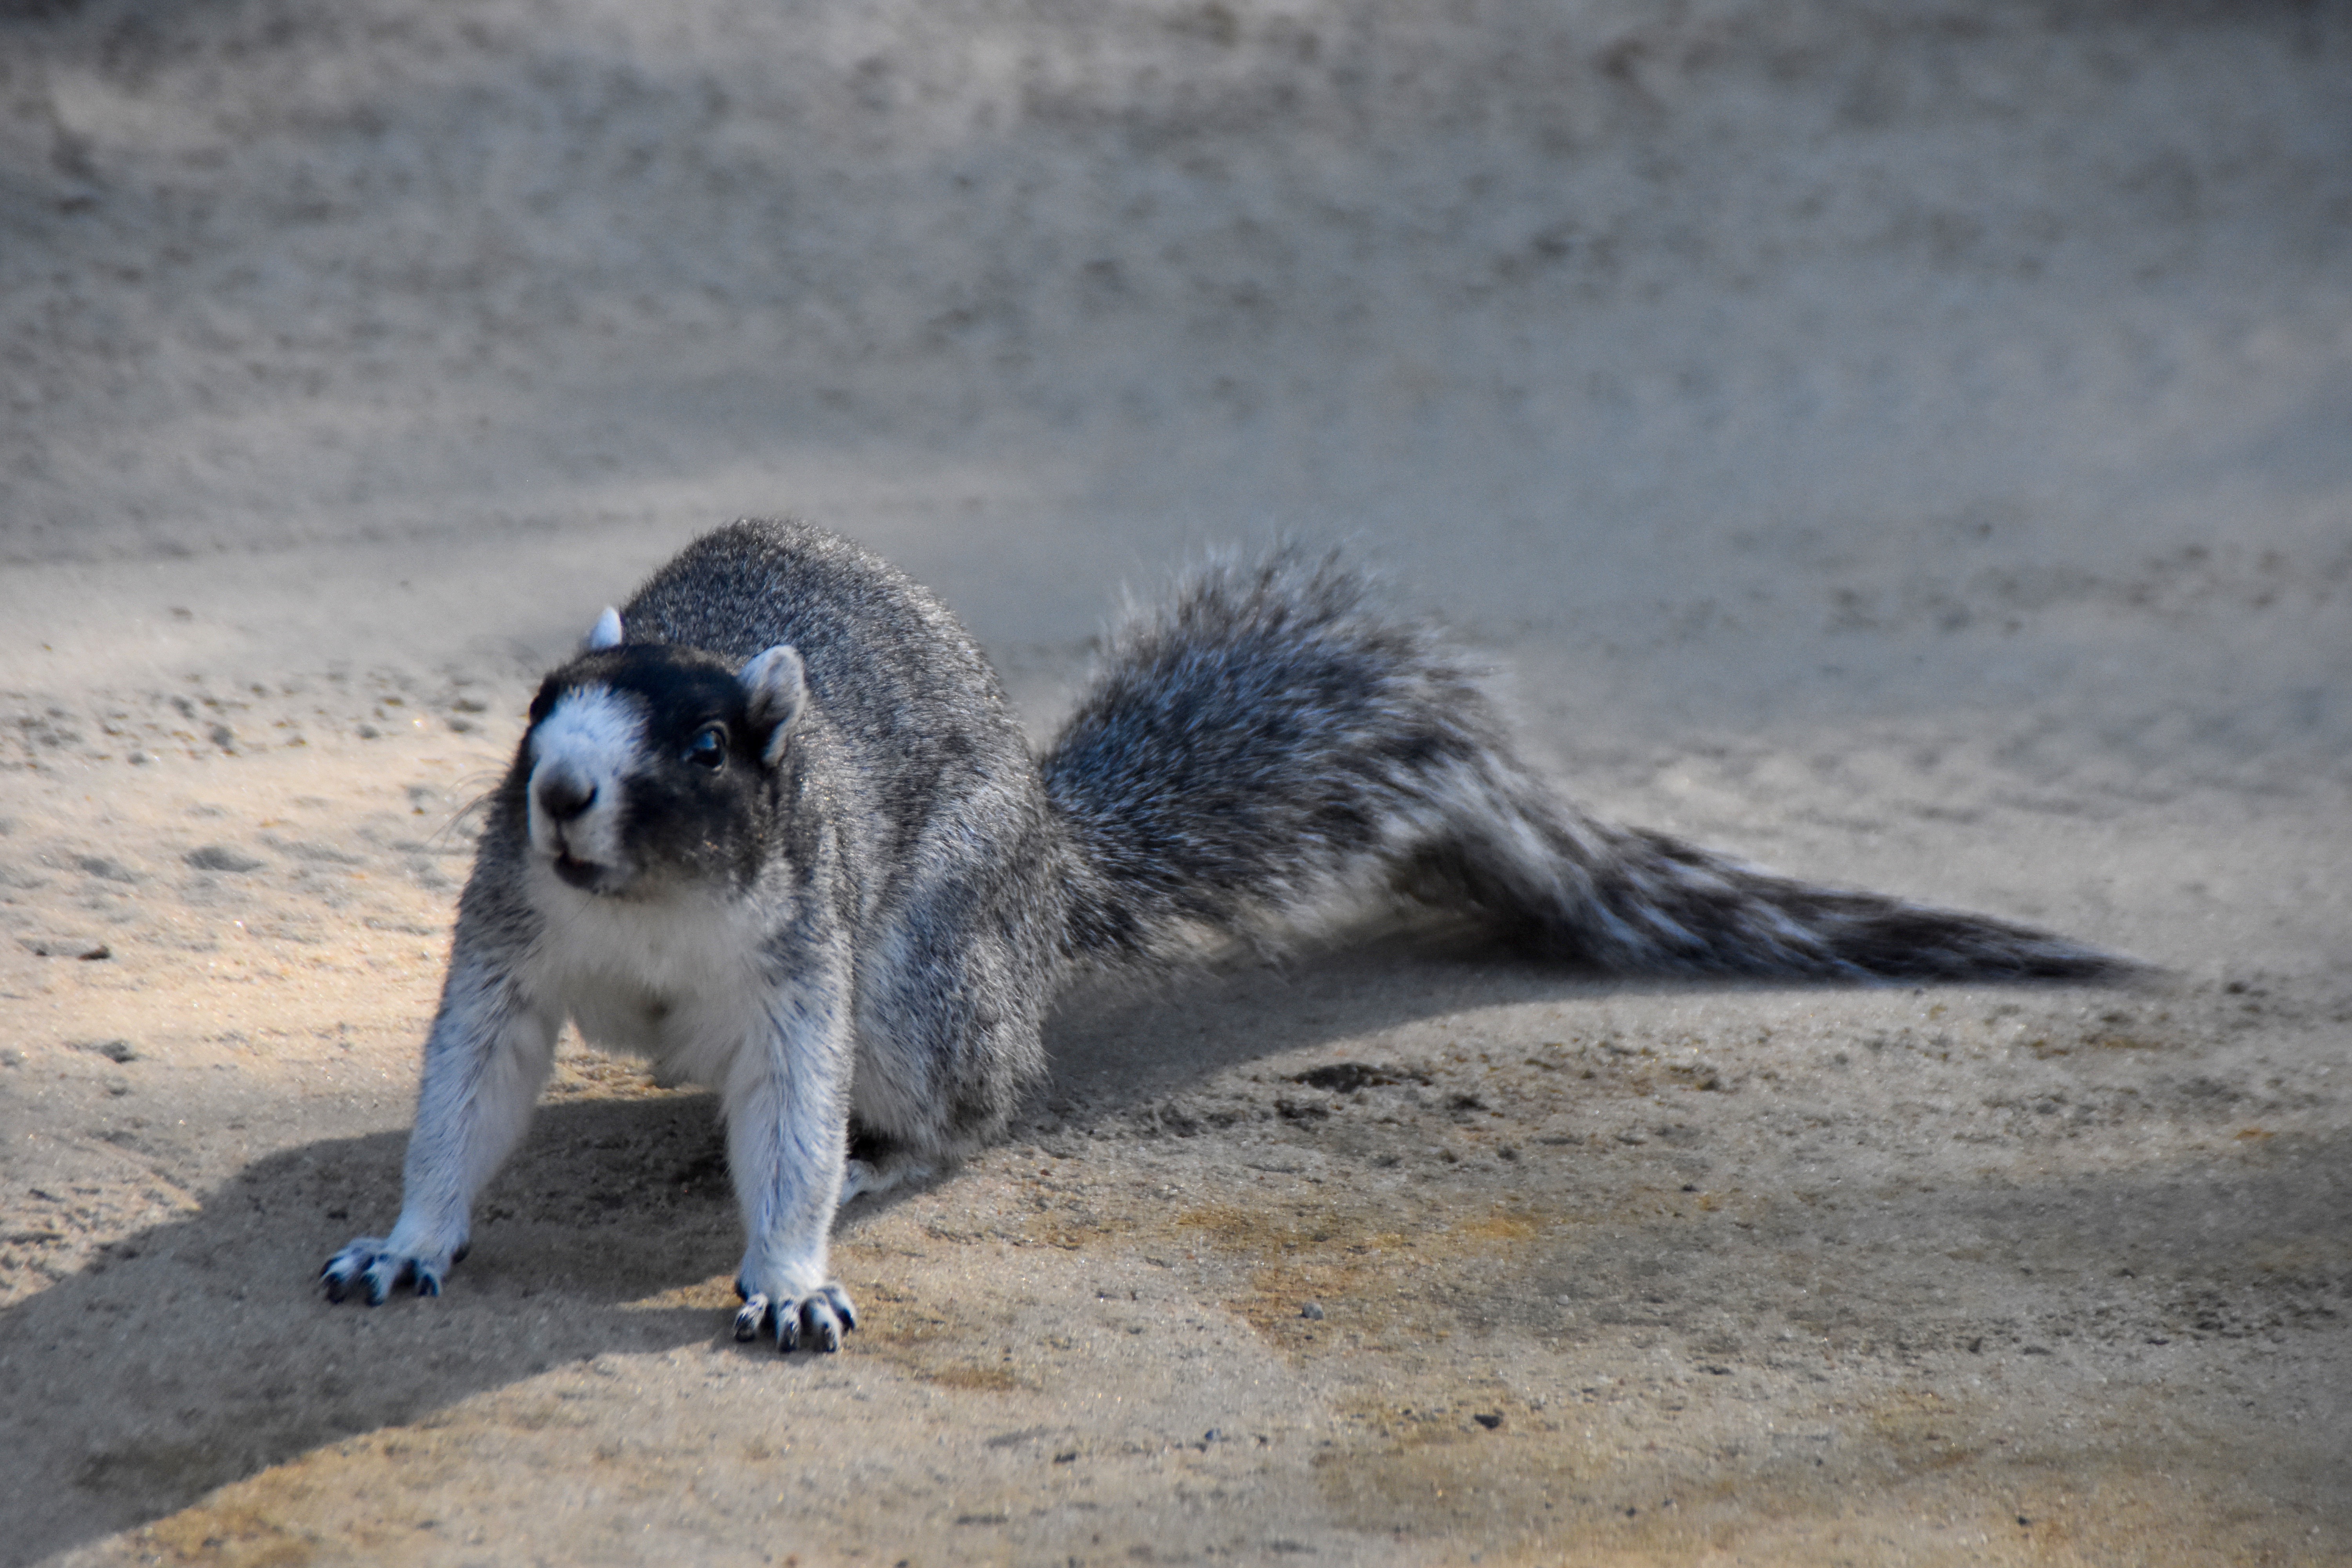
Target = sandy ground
(1907,444)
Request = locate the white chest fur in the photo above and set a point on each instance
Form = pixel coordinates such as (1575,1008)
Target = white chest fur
(677,979)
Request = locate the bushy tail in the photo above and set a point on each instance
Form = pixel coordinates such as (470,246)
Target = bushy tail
(1271,748)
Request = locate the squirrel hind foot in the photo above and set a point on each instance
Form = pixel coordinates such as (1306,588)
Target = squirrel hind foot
(862,1178)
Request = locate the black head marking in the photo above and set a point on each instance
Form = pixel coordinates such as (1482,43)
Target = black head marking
(696,799)
(683,694)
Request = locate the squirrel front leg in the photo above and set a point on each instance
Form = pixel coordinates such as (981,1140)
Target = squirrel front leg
(487,1056)
(787,1099)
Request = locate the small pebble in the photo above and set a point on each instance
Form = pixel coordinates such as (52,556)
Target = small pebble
(1313,1310)
(64,947)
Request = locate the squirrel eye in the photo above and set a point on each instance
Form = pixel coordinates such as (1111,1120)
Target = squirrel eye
(709,747)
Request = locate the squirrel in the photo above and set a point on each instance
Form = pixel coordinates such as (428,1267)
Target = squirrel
(776,827)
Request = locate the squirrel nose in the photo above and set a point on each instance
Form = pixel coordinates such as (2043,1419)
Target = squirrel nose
(563,795)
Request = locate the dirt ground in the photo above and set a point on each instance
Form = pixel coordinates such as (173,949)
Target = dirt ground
(1910,445)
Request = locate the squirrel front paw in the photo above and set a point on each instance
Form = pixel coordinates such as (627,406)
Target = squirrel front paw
(819,1318)
(373,1263)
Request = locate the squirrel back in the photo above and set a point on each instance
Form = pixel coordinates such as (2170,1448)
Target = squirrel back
(1269,747)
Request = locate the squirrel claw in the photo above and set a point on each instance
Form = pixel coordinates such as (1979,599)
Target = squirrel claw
(817,1320)
(371,1271)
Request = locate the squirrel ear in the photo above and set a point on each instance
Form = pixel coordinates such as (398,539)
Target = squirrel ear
(605,633)
(777,689)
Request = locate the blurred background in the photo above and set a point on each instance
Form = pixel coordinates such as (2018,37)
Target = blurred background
(1727,362)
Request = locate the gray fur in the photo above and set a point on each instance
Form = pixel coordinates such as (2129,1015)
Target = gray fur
(776,827)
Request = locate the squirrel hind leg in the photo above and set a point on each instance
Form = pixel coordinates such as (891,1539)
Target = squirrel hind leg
(879,1163)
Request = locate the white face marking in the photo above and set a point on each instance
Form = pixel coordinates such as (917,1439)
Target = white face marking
(582,754)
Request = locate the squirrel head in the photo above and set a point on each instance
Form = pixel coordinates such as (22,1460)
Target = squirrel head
(650,768)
